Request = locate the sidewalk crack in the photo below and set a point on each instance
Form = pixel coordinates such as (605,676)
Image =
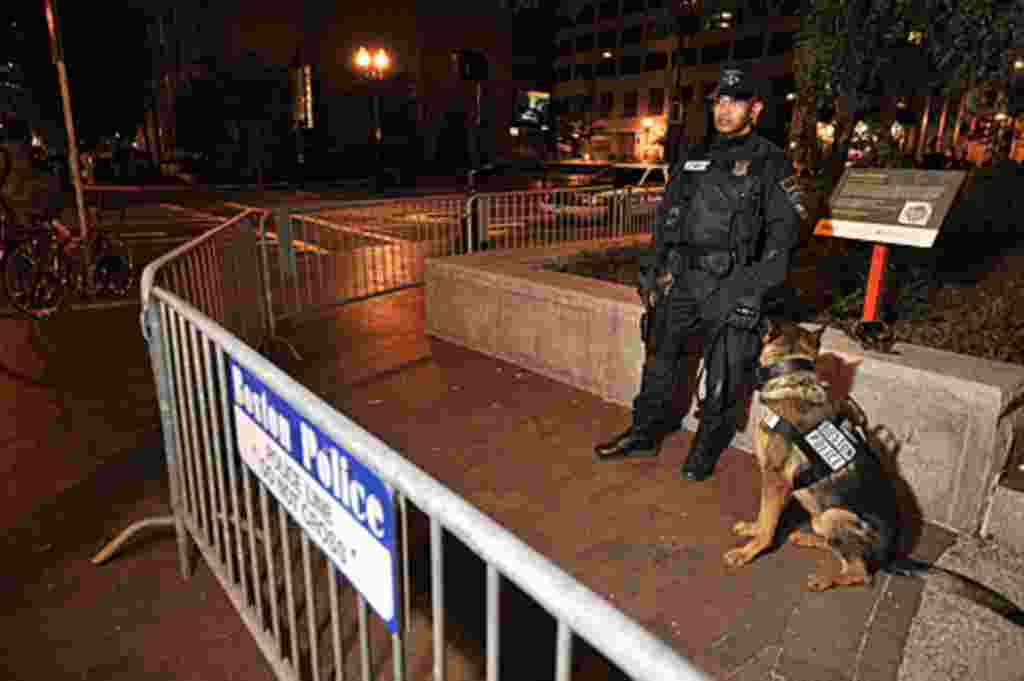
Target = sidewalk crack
(868,624)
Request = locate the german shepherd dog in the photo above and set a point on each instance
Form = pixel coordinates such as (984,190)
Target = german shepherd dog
(853,509)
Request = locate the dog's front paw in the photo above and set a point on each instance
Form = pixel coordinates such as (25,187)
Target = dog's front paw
(745,528)
(820,582)
(738,557)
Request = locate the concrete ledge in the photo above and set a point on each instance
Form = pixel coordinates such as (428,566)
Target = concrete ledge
(940,413)
(1004,521)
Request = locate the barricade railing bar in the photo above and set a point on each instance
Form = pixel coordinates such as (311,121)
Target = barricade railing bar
(281,580)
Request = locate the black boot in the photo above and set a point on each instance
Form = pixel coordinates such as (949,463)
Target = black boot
(708,445)
(634,443)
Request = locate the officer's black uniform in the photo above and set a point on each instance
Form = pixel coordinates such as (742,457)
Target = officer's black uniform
(725,229)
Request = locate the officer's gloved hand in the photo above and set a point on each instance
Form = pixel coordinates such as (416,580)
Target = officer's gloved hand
(645,280)
(651,265)
(746,314)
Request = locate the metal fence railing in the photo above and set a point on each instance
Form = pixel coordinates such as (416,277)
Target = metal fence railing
(322,254)
(310,522)
(221,275)
(331,253)
(541,217)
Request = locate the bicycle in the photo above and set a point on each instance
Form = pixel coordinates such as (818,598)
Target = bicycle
(45,263)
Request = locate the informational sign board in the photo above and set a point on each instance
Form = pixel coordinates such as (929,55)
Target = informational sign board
(343,506)
(891,205)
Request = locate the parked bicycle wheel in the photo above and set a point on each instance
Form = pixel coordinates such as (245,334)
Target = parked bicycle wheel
(35,278)
(115,271)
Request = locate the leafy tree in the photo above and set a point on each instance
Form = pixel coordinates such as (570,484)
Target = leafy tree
(855,51)
(850,52)
(240,108)
(972,42)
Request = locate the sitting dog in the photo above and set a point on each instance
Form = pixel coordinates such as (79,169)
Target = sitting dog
(805,450)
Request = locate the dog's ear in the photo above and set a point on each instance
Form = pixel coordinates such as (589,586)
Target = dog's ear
(816,336)
(769,330)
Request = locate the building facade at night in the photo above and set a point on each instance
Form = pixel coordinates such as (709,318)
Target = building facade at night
(624,70)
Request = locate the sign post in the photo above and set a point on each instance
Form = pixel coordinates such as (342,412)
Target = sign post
(889,206)
(876,282)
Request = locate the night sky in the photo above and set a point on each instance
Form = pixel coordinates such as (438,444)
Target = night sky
(106,60)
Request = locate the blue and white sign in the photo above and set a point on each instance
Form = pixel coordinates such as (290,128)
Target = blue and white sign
(344,507)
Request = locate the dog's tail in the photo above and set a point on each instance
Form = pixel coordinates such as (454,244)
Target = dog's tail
(960,585)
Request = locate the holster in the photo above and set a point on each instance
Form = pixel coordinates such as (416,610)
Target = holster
(654,286)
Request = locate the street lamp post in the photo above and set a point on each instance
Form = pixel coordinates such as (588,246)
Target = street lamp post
(374,68)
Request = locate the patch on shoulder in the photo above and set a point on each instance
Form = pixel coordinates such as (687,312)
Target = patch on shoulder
(698,166)
(795,193)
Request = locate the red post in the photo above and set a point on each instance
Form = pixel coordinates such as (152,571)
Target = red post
(876,282)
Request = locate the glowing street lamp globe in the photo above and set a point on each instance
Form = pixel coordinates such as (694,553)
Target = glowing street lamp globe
(363,58)
(374,65)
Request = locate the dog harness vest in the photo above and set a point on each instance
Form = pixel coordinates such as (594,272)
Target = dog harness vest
(829,447)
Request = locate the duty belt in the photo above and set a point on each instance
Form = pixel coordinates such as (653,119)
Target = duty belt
(717,262)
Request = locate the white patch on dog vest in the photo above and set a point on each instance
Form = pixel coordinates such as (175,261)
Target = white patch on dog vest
(833,443)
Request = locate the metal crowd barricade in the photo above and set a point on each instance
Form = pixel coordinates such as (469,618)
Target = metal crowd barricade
(540,217)
(263,481)
(220,273)
(326,254)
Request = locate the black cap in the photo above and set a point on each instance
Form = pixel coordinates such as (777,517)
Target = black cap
(738,82)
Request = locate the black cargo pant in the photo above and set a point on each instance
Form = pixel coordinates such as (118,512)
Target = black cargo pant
(730,355)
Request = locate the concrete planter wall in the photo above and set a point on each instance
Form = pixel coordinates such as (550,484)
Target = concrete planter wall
(940,413)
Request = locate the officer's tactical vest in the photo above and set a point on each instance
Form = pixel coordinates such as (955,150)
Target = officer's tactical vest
(717,204)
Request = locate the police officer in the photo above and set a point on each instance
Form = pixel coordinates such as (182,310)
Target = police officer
(722,240)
